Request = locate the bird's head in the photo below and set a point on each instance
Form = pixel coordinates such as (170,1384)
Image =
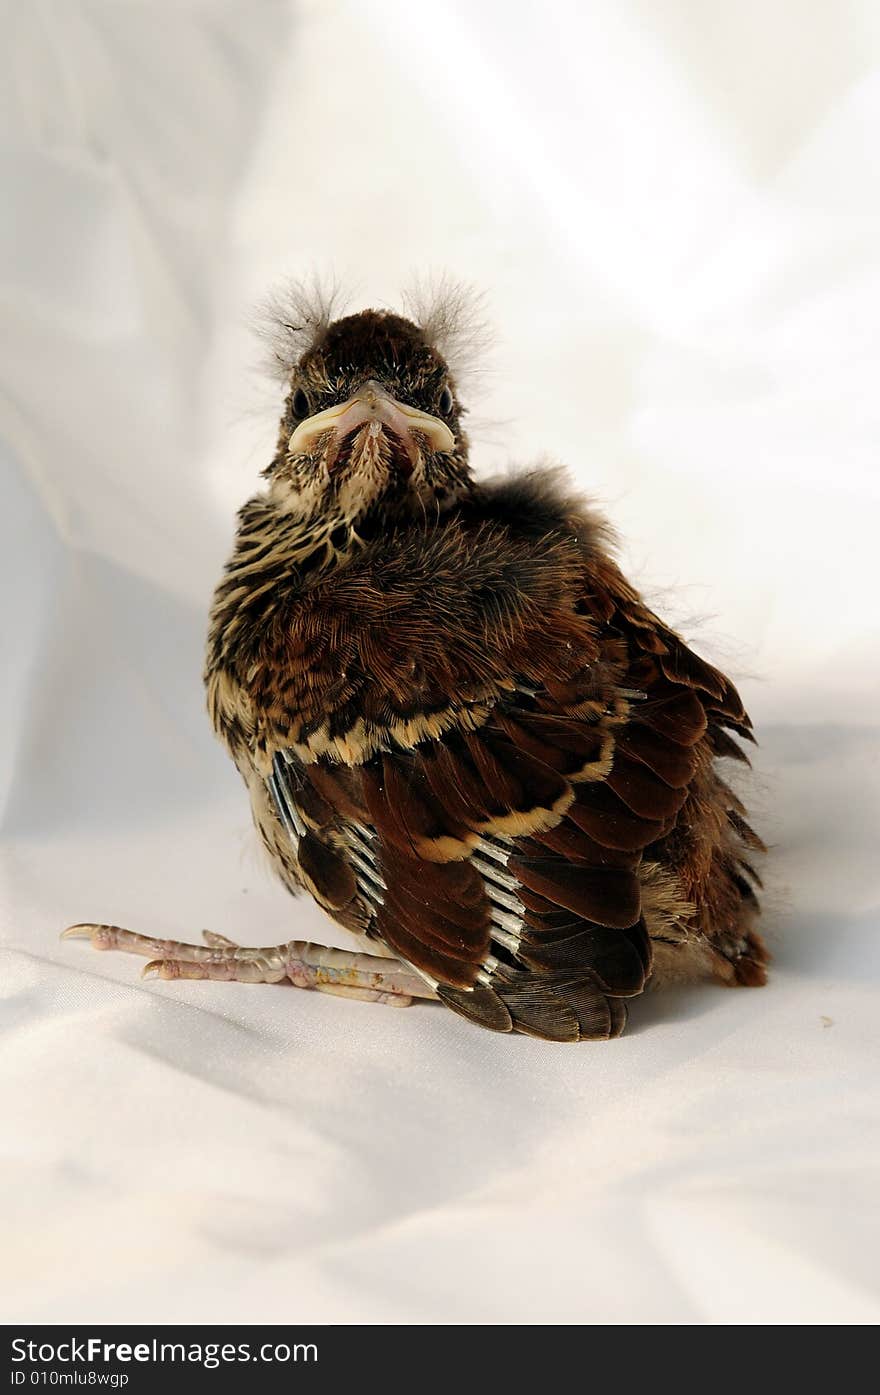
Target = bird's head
(372,423)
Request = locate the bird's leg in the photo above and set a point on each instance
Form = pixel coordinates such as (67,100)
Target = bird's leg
(352,975)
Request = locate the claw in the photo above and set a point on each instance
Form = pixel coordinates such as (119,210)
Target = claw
(153,969)
(78,932)
(217,941)
(101,936)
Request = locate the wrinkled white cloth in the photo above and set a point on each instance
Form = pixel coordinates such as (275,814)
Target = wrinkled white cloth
(674,209)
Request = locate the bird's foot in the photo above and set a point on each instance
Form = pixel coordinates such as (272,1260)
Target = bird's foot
(351,975)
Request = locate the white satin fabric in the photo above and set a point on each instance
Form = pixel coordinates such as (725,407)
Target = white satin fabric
(674,208)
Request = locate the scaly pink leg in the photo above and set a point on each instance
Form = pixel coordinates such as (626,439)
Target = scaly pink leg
(366,976)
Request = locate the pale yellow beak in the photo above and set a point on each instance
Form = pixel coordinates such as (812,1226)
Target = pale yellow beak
(372,406)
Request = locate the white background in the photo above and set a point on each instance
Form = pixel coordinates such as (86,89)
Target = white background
(674,209)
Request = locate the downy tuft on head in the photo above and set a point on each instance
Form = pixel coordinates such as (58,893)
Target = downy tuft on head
(452,317)
(292,318)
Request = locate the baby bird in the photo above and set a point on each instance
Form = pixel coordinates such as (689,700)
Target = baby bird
(461,729)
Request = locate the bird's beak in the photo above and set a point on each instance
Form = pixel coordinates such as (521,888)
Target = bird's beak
(372,406)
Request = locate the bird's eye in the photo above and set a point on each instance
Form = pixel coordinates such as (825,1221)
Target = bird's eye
(446,402)
(300,404)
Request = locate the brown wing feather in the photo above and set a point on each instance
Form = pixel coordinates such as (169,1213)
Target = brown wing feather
(431,807)
(573,851)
